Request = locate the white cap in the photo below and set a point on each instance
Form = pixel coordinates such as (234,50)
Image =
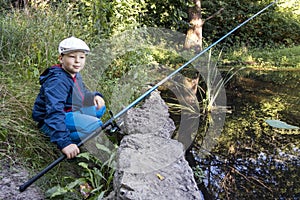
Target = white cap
(72,44)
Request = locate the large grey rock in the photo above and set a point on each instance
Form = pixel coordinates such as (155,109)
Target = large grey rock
(152,118)
(151,165)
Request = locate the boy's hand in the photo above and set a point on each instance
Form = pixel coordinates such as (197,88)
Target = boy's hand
(99,102)
(71,151)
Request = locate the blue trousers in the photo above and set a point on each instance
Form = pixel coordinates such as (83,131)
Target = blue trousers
(81,123)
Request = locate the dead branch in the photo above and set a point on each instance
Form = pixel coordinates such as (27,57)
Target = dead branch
(213,15)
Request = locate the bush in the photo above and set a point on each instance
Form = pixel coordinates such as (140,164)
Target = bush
(274,27)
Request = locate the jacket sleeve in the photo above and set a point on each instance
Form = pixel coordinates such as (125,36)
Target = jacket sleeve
(56,92)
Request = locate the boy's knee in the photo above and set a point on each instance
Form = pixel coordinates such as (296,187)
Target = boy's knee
(92,111)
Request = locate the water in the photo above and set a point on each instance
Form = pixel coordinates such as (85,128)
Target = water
(250,159)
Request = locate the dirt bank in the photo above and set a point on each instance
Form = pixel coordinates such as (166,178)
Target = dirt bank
(12,176)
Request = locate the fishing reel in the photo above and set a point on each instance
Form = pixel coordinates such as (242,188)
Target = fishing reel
(113,130)
(112,127)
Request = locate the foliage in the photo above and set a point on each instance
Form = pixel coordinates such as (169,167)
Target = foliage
(16,126)
(215,84)
(198,174)
(130,72)
(29,40)
(263,57)
(104,18)
(96,178)
(4,5)
(168,14)
(127,14)
(276,26)
(91,16)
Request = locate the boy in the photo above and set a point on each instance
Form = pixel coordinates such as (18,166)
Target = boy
(64,109)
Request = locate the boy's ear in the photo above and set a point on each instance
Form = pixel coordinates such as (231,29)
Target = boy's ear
(60,58)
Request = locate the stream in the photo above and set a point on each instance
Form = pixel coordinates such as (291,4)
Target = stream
(251,159)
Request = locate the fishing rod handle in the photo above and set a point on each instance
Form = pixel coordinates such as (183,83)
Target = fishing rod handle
(41,173)
(23,187)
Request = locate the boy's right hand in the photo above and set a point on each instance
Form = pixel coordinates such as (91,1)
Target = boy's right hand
(71,151)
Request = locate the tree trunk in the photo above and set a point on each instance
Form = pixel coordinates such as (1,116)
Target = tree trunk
(20,3)
(194,40)
(194,34)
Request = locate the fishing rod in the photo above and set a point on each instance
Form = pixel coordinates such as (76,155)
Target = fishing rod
(111,122)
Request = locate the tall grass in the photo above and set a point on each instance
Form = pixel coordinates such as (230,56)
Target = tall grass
(29,39)
(215,84)
(28,45)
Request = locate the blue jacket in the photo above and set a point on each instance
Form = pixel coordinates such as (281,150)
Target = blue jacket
(60,93)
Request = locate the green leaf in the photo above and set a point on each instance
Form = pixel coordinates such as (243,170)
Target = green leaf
(280,124)
(101,195)
(99,173)
(56,191)
(103,148)
(76,183)
(84,165)
(85,155)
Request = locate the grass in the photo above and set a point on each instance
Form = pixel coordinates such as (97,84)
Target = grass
(21,143)
(269,57)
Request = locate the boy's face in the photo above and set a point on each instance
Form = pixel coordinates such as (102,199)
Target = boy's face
(73,62)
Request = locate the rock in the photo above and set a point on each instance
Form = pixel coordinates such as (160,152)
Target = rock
(152,118)
(151,165)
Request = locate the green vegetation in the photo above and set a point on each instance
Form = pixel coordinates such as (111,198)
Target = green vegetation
(96,179)
(288,57)
(28,45)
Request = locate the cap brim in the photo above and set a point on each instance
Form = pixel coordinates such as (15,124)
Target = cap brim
(74,50)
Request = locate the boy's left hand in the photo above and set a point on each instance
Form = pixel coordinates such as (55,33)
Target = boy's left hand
(99,102)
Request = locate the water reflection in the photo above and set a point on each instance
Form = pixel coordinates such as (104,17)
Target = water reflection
(251,160)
